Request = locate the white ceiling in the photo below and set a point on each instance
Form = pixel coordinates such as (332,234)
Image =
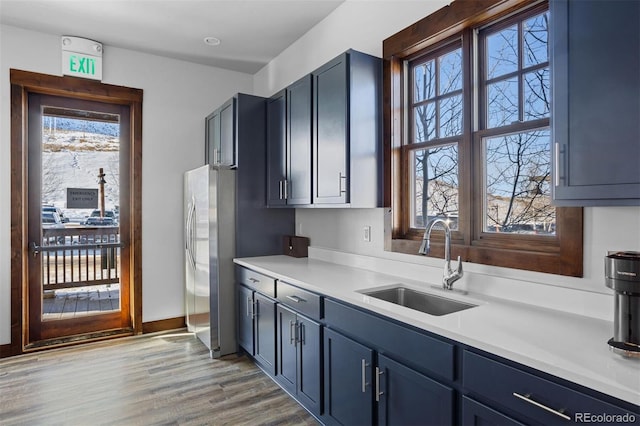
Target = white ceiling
(252,31)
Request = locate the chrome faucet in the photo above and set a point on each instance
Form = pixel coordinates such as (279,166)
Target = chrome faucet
(449,276)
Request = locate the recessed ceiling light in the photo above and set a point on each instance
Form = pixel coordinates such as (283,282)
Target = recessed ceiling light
(211,41)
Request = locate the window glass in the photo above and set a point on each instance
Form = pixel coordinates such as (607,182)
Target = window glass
(425,81)
(537,94)
(517,187)
(502,52)
(502,103)
(536,34)
(450,67)
(435,184)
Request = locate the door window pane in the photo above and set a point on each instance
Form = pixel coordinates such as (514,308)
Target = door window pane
(80,235)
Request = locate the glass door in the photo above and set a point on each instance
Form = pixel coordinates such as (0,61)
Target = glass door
(77,271)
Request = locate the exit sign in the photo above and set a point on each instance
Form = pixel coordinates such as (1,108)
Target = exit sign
(81,57)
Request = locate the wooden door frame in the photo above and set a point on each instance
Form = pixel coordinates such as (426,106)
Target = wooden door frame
(23,83)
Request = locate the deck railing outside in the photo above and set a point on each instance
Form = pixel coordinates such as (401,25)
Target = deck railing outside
(80,257)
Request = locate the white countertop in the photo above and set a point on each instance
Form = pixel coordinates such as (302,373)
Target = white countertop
(568,346)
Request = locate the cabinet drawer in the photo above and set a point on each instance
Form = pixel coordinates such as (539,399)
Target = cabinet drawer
(534,397)
(303,301)
(256,281)
(424,353)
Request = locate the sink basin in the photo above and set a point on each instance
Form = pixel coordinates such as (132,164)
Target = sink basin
(423,302)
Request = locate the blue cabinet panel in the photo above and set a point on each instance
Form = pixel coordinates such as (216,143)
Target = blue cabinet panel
(596,102)
(245,319)
(265,332)
(476,414)
(424,353)
(348,367)
(406,397)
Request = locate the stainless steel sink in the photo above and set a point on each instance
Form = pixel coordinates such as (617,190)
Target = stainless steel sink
(423,302)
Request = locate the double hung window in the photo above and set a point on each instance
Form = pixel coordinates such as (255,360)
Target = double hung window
(474,148)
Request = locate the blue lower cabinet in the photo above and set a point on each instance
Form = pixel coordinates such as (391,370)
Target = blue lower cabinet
(362,391)
(476,414)
(298,357)
(348,368)
(406,397)
(265,332)
(245,318)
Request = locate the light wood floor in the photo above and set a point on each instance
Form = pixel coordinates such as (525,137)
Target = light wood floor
(162,379)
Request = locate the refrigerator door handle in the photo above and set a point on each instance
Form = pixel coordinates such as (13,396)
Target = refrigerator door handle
(191,234)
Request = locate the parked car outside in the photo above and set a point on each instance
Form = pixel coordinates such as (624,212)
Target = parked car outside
(50,208)
(108,214)
(51,219)
(100,221)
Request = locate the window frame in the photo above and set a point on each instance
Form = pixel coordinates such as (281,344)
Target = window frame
(561,254)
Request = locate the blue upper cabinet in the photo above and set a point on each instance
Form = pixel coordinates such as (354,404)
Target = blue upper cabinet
(347,131)
(596,102)
(220,135)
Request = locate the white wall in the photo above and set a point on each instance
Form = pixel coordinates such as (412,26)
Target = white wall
(177,97)
(363,25)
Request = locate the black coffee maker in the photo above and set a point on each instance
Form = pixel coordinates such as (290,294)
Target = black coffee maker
(622,275)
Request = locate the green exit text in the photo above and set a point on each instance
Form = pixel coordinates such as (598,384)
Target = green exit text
(82,65)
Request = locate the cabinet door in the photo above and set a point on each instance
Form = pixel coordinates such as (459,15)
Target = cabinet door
(287,357)
(330,141)
(348,367)
(245,319)
(476,414)
(276,149)
(596,102)
(406,397)
(265,332)
(228,133)
(309,363)
(212,138)
(298,190)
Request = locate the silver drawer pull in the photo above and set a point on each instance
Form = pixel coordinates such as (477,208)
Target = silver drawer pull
(253,280)
(364,376)
(527,398)
(296,299)
(378,392)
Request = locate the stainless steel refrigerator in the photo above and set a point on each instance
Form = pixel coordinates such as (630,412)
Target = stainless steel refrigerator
(225,217)
(210,199)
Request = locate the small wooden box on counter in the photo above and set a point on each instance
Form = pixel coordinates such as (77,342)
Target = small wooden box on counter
(295,246)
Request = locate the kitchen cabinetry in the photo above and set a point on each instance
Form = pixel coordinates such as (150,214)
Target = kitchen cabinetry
(289,145)
(476,414)
(596,102)
(220,135)
(298,371)
(525,396)
(347,132)
(362,382)
(257,317)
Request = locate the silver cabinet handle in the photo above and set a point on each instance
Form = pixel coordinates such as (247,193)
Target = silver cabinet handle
(292,332)
(249,303)
(364,376)
(342,178)
(300,333)
(254,280)
(556,172)
(280,191)
(378,393)
(296,299)
(286,189)
(527,398)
